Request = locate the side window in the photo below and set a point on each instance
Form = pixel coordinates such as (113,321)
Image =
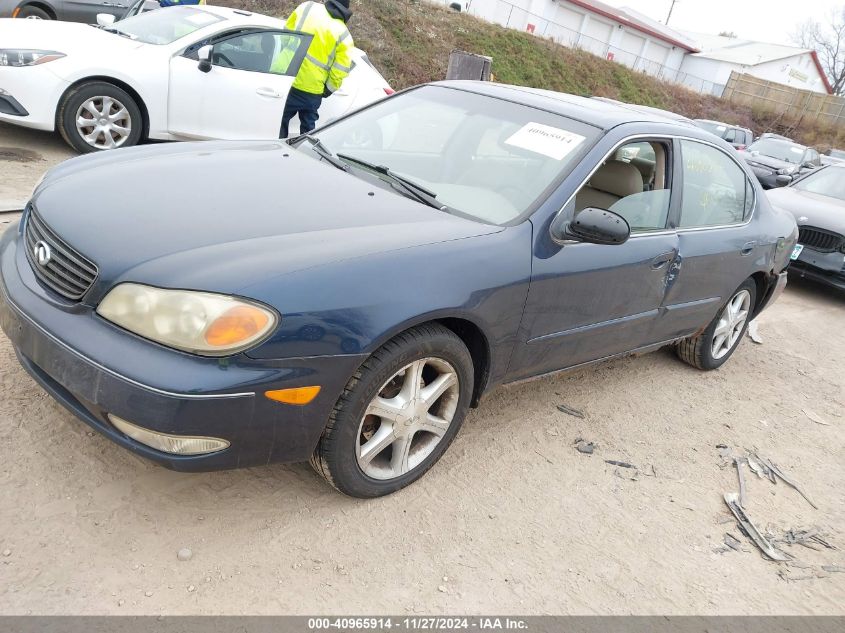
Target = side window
(635,183)
(716,190)
(273,52)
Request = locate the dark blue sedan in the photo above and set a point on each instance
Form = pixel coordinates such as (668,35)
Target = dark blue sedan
(346,297)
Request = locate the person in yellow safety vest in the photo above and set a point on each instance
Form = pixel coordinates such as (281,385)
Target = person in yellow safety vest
(326,64)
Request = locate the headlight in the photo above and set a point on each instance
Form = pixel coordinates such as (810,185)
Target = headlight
(197,322)
(27,56)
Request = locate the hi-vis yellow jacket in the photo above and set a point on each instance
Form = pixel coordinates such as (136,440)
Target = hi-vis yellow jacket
(328,61)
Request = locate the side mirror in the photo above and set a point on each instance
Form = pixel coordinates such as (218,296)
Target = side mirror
(204,55)
(596,226)
(105,19)
(808,165)
(783,180)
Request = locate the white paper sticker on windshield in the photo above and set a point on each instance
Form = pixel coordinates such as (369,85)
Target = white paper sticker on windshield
(543,139)
(200,18)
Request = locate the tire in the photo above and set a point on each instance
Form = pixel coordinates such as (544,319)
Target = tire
(33,13)
(105,98)
(342,457)
(702,351)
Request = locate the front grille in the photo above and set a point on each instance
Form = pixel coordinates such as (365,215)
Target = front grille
(820,239)
(67,272)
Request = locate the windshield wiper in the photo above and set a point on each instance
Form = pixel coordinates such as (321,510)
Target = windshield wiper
(325,152)
(111,29)
(416,190)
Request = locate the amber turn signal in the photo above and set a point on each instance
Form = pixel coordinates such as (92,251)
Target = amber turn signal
(235,325)
(297,395)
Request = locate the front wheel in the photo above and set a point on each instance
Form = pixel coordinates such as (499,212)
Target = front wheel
(98,116)
(30,12)
(713,347)
(398,413)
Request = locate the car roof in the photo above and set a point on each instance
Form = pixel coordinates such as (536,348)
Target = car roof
(598,111)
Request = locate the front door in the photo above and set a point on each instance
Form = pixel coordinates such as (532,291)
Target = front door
(588,301)
(86,10)
(243,95)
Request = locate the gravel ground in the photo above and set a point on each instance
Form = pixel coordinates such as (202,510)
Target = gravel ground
(512,520)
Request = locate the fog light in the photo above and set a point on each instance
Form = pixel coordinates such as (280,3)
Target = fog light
(174,444)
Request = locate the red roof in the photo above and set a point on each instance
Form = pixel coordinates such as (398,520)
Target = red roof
(818,64)
(609,12)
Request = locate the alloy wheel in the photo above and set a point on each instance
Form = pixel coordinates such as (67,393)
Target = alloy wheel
(731,322)
(407,418)
(103,122)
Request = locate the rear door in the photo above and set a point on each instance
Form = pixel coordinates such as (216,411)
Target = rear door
(243,95)
(719,244)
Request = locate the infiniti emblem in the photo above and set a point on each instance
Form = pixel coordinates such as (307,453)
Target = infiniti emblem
(803,218)
(41,252)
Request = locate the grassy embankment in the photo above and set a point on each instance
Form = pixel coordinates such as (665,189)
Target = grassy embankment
(410,42)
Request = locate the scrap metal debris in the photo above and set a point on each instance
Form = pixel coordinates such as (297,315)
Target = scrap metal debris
(754,332)
(738,462)
(732,500)
(570,411)
(774,471)
(732,542)
(815,417)
(808,538)
(613,462)
(583,446)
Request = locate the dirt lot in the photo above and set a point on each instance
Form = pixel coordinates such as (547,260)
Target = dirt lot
(512,520)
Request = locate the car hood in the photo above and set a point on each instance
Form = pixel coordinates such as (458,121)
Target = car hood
(810,209)
(65,37)
(223,215)
(767,161)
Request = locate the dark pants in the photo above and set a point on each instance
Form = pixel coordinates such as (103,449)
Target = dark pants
(305,105)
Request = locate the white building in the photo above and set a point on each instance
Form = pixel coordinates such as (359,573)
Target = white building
(622,35)
(719,56)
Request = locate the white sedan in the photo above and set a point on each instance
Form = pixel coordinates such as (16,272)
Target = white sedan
(181,73)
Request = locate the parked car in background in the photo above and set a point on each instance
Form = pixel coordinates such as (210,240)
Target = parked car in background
(776,162)
(817,200)
(739,137)
(779,137)
(181,73)
(319,299)
(72,11)
(833,157)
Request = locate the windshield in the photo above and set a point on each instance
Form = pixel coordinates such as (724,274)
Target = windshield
(482,157)
(782,150)
(714,128)
(829,181)
(165,26)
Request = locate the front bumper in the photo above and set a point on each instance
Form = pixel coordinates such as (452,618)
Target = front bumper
(93,368)
(827,268)
(33,94)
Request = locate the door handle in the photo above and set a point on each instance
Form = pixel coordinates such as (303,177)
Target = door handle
(747,248)
(661,260)
(268,92)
